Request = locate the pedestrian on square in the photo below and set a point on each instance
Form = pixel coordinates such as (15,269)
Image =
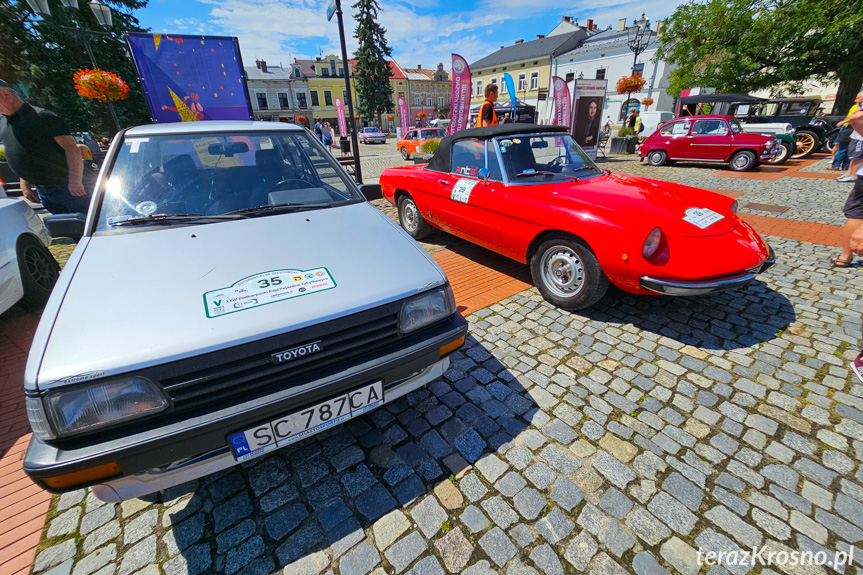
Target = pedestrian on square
(43,154)
(319,133)
(843,139)
(487,115)
(327,132)
(852,232)
(630,120)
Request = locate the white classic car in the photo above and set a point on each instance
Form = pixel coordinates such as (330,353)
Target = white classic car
(232,292)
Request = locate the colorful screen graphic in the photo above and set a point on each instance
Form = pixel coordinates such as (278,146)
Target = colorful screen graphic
(191,78)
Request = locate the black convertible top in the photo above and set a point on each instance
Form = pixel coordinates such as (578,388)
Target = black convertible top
(702,98)
(440,162)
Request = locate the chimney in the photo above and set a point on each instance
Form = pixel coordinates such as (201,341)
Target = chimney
(540,36)
(520,41)
(621,24)
(567,19)
(589,24)
(419,66)
(659,26)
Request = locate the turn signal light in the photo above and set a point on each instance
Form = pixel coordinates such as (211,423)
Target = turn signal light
(103,471)
(450,347)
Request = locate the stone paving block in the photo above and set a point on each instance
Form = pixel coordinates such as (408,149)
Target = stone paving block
(580,551)
(375,502)
(645,564)
(194,560)
(680,556)
(554,526)
(427,566)
(617,540)
(360,560)
(403,552)
(54,555)
(65,523)
(138,556)
(472,487)
(683,490)
(734,526)
(455,550)
(491,467)
(646,526)
(389,528)
(613,470)
(310,536)
(529,502)
(673,513)
(498,546)
(615,503)
(429,516)
(540,474)
(546,559)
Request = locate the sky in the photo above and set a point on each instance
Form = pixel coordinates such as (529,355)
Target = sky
(423,33)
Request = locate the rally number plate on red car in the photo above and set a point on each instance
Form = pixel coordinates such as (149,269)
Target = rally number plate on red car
(290,428)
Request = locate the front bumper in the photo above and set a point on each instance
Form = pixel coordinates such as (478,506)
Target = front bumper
(680,287)
(772,153)
(192,447)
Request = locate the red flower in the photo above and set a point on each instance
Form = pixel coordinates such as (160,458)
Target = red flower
(629,84)
(100,85)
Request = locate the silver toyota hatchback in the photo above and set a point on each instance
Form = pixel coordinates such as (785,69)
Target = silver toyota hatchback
(232,292)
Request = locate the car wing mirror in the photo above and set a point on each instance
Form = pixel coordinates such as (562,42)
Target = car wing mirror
(371,191)
(66,225)
(484,174)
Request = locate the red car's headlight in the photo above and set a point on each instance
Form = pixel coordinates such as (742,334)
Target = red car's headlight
(651,244)
(733,208)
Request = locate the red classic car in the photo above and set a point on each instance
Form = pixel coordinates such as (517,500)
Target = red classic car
(530,193)
(708,139)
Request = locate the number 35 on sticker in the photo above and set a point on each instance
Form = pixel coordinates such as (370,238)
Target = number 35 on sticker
(266,287)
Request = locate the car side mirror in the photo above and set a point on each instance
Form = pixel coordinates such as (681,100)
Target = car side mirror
(66,225)
(484,174)
(372,191)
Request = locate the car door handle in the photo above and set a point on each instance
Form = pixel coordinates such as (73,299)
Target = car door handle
(444,183)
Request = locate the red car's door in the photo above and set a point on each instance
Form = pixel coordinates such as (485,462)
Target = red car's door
(673,136)
(709,140)
(468,206)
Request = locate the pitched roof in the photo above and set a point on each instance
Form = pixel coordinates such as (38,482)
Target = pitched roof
(308,67)
(398,72)
(608,39)
(541,47)
(272,73)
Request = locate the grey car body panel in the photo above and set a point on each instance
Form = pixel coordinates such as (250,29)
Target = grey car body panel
(136,298)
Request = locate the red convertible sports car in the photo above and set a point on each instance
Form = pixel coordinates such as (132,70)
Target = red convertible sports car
(531,193)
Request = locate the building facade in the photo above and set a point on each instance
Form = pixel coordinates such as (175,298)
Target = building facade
(325,85)
(428,93)
(277,93)
(529,64)
(606,55)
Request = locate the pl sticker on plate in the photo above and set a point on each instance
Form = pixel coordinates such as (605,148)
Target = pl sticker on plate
(265,288)
(702,217)
(462,189)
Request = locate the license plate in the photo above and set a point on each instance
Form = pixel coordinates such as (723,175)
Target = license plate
(295,426)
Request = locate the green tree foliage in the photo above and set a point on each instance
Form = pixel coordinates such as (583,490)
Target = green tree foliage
(373,70)
(41,58)
(745,45)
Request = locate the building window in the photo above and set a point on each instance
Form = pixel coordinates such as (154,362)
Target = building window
(534,80)
(600,74)
(333,67)
(522,83)
(301,100)
(325,72)
(344,96)
(570,77)
(417,100)
(262,101)
(638,69)
(328,98)
(440,101)
(315,99)
(493,81)
(341,71)
(283,100)
(503,87)
(297,72)
(479,87)
(429,101)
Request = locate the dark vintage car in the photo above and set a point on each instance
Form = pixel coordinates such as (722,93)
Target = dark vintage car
(708,139)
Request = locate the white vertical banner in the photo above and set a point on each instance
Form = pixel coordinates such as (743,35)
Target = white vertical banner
(588,98)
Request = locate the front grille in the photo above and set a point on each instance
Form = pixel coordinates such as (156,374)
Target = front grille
(254,373)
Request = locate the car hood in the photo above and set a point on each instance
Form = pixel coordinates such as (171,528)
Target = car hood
(652,203)
(139,299)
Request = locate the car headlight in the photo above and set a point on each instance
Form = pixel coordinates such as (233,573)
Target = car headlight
(790,130)
(426,309)
(651,244)
(78,409)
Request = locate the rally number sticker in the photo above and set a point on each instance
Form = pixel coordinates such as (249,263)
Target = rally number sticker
(461,190)
(702,217)
(265,288)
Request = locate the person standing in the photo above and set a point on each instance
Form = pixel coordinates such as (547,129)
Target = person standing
(843,139)
(327,132)
(43,154)
(853,209)
(319,130)
(487,115)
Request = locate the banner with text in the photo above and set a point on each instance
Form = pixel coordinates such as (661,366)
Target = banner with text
(461,86)
(403,115)
(562,101)
(343,125)
(588,97)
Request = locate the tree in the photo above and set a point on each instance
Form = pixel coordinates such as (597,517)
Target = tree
(373,71)
(745,45)
(41,59)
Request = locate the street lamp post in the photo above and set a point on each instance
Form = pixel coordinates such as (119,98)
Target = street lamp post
(103,17)
(638,38)
(336,8)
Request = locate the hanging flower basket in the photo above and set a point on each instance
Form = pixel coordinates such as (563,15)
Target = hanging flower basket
(422,115)
(629,84)
(390,117)
(302,120)
(100,85)
(647,101)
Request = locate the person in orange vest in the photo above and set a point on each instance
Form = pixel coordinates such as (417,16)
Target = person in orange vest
(487,116)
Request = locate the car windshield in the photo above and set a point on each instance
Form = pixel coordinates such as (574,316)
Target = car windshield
(203,178)
(429,134)
(736,128)
(545,158)
(372,130)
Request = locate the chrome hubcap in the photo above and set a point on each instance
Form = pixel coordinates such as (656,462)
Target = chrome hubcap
(741,161)
(656,157)
(562,271)
(411,216)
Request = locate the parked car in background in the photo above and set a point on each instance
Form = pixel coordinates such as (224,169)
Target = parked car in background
(708,139)
(232,292)
(28,271)
(372,135)
(784,134)
(651,120)
(415,138)
(532,194)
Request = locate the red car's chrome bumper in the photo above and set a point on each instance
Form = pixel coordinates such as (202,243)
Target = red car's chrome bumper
(679,287)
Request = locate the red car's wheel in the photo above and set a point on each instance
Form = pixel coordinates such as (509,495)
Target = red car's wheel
(411,219)
(657,158)
(567,273)
(743,161)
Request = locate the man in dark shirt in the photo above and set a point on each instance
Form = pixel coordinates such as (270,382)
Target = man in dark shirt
(44,155)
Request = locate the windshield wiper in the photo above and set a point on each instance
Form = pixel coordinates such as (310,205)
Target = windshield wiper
(170,218)
(280,208)
(527,173)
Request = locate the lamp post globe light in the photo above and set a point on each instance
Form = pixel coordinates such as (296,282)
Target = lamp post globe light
(638,37)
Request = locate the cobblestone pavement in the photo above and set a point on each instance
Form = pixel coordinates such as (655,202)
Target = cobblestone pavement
(615,441)
(808,199)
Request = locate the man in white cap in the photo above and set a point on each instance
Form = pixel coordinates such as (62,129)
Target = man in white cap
(43,154)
